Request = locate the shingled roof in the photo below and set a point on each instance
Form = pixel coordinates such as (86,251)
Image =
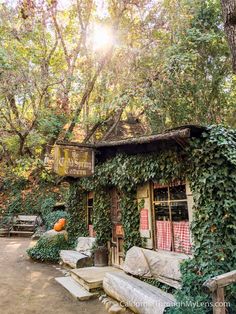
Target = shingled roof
(179,135)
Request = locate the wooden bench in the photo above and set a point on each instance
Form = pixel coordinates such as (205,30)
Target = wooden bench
(216,286)
(24,225)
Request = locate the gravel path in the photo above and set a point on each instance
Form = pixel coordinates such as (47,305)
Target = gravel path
(28,287)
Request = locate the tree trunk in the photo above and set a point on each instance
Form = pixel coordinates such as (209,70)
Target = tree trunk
(112,128)
(86,94)
(229,16)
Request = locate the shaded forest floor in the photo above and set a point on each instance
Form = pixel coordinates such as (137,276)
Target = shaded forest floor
(28,287)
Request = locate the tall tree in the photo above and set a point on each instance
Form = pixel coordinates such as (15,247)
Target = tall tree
(229,16)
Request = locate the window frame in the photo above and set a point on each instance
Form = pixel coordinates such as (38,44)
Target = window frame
(169,202)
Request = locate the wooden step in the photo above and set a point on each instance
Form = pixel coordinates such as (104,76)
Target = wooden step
(75,289)
(3,232)
(91,278)
(24,225)
(25,233)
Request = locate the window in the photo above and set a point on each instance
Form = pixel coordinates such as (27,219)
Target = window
(90,210)
(171,217)
(90,213)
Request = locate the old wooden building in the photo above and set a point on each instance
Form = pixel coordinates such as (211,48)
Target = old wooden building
(167,207)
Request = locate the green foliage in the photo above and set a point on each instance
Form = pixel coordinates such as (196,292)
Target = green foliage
(14,184)
(195,70)
(213,180)
(48,249)
(156,283)
(15,207)
(46,204)
(131,220)
(50,123)
(76,207)
(126,171)
(102,217)
(52,217)
(210,165)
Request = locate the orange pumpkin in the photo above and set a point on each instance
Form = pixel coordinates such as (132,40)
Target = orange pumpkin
(58,226)
(62,221)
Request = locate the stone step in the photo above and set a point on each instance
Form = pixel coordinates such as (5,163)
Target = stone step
(75,289)
(139,296)
(91,278)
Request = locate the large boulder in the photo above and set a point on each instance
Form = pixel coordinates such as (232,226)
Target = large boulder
(166,264)
(81,256)
(52,233)
(161,265)
(75,259)
(85,245)
(136,263)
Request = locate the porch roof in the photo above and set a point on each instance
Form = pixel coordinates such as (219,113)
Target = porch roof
(174,137)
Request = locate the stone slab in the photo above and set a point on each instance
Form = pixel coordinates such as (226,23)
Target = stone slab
(85,244)
(92,277)
(74,288)
(136,263)
(161,265)
(139,296)
(75,259)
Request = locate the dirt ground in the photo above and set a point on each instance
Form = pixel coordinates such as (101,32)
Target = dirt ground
(28,287)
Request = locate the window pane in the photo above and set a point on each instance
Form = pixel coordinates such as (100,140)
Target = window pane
(161,194)
(90,202)
(162,212)
(178,192)
(179,211)
(90,211)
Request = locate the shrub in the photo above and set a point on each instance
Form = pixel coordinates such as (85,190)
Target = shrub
(52,217)
(48,249)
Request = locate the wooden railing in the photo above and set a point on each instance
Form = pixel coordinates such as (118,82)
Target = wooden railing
(216,286)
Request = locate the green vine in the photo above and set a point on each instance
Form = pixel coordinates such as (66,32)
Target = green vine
(76,207)
(130,220)
(125,172)
(209,164)
(101,217)
(213,182)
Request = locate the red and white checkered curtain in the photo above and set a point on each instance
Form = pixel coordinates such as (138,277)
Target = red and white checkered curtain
(182,242)
(163,235)
(144,225)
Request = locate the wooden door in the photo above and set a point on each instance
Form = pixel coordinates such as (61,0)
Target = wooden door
(117,230)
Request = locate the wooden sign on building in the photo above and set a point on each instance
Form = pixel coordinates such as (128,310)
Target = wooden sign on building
(73,161)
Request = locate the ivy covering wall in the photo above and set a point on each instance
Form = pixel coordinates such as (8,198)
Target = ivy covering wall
(210,165)
(76,206)
(130,220)
(213,181)
(102,217)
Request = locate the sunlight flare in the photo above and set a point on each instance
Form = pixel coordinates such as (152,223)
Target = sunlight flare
(102,37)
